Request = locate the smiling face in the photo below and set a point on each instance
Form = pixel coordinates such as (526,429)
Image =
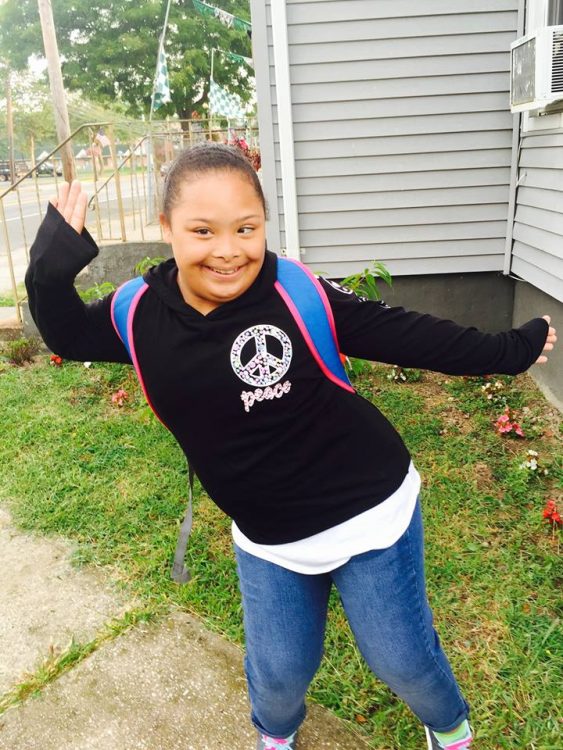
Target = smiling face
(217,229)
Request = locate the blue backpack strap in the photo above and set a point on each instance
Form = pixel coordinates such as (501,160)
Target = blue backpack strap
(123,307)
(309,305)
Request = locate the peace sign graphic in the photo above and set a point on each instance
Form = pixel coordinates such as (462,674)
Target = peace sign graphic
(255,355)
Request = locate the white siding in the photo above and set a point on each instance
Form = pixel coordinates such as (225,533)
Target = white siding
(401,128)
(537,254)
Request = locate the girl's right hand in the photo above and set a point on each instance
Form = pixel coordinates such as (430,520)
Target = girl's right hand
(72,202)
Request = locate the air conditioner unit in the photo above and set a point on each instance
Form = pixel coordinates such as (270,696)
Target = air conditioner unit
(536,77)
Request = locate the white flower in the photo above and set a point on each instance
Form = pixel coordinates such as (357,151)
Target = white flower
(87,364)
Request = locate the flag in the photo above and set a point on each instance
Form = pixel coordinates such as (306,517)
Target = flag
(239,58)
(225,104)
(233,22)
(161,83)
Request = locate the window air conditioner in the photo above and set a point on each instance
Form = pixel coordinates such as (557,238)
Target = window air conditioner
(536,78)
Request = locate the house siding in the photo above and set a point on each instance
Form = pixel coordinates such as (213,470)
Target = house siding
(402,133)
(537,251)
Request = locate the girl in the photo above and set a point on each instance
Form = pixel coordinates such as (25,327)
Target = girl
(320,487)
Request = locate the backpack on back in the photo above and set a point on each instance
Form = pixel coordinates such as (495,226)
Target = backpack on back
(308,303)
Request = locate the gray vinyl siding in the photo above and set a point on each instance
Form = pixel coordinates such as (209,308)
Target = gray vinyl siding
(537,252)
(402,131)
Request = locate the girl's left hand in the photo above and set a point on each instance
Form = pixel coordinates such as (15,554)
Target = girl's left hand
(72,203)
(549,342)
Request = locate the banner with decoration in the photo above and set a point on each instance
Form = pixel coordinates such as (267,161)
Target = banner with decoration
(239,58)
(225,104)
(228,19)
(161,83)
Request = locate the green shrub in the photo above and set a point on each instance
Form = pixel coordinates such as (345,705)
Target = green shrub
(98,291)
(364,284)
(143,265)
(22,350)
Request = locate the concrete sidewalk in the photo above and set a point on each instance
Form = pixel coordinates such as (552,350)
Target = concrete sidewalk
(7,314)
(171,685)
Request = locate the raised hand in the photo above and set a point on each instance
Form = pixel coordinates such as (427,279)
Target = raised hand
(549,342)
(72,202)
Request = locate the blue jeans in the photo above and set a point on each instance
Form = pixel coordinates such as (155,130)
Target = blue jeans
(383,595)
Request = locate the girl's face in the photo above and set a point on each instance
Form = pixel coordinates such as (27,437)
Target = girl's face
(217,231)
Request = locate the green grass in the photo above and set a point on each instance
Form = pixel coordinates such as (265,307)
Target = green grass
(58,662)
(114,481)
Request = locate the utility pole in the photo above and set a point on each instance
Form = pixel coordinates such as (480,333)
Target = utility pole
(57,89)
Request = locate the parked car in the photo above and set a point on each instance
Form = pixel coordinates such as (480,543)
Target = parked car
(48,168)
(20,167)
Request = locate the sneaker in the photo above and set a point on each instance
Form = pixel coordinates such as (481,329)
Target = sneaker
(433,743)
(276,743)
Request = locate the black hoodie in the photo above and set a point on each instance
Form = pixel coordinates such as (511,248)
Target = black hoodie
(280,448)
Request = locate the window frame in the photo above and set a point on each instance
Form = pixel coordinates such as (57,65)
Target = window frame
(554,13)
(537,14)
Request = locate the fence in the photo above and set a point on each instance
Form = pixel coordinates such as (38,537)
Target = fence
(122,166)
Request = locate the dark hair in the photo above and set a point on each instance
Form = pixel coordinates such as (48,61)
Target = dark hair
(202,158)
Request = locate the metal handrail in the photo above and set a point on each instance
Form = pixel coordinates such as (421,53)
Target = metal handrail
(54,151)
(141,201)
(121,164)
(91,125)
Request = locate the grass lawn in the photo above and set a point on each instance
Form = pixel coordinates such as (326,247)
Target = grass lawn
(113,480)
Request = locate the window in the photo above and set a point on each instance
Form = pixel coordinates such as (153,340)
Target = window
(543,13)
(554,12)
(540,13)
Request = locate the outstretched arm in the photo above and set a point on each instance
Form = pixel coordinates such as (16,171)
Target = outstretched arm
(374,331)
(62,248)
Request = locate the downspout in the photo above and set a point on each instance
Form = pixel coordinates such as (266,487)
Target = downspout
(285,128)
(515,159)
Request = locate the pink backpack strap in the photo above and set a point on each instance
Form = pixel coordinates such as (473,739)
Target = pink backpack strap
(307,301)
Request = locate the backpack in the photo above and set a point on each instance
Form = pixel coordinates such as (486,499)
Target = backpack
(308,303)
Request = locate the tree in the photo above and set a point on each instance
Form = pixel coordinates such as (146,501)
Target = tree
(32,114)
(34,119)
(109,49)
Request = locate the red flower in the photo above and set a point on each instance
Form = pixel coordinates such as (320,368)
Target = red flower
(551,514)
(56,360)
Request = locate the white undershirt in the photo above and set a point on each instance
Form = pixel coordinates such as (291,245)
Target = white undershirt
(376,528)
